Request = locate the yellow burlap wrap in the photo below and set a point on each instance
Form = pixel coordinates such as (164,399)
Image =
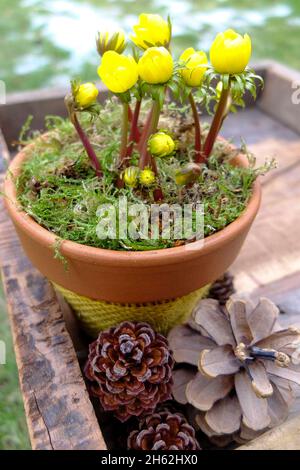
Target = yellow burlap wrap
(95,315)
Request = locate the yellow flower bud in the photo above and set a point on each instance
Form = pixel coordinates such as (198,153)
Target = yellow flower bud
(156,65)
(130,176)
(187,174)
(111,41)
(147,177)
(161,144)
(230,52)
(152,30)
(194,66)
(118,72)
(85,95)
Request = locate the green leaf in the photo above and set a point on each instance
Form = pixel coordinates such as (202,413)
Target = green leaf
(225,81)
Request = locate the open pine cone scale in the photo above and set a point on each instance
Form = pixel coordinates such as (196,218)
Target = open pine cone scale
(163,431)
(130,369)
(246,375)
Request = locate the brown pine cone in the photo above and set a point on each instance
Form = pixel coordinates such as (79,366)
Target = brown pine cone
(131,369)
(163,431)
(222,289)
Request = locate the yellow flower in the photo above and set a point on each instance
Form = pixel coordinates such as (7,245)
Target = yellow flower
(152,30)
(147,177)
(156,65)
(111,41)
(161,144)
(194,66)
(85,95)
(230,52)
(118,72)
(130,176)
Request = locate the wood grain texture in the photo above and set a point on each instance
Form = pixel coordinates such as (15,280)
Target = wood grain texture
(269,263)
(272,249)
(58,409)
(280,98)
(284,437)
(38,103)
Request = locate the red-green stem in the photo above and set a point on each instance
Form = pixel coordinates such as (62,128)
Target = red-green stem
(217,122)
(123,147)
(136,116)
(199,157)
(129,114)
(134,133)
(145,130)
(157,193)
(69,102)
(87,145)
(145,158)
(124,136)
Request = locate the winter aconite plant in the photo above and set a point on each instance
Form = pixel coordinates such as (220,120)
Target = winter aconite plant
(146,142)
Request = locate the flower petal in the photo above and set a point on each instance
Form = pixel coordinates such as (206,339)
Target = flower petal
(201,422)
(221,441)
(259,379)
(283,372)
(181,377)
(248,434)
(186,344)
(281,340)
(202,393)
(285,387)
(262,319)
(225,416)
(218,361)
(255,410)
(208,315)
(278,408)
(237,310)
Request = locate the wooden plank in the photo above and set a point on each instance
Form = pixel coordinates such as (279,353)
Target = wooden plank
(58,409)
(38,103)
(272,249)
(281,97)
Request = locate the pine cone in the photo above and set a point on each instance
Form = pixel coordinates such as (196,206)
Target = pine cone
(131,369)
(163,431)
(247,367)
(222,289)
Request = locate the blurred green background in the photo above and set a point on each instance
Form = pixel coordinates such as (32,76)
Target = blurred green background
(45,42)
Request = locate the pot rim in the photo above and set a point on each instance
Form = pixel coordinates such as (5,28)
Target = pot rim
(94,255)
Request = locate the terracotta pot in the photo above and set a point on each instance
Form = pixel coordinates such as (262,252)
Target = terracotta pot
(134,277)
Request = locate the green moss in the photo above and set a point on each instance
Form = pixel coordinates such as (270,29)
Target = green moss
(58,188)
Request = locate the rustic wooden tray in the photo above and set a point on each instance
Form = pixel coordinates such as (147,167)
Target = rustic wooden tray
(47,341)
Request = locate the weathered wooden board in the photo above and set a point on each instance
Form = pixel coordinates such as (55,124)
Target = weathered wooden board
(269,263)
(58,410)
(38,104)
(272,249)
